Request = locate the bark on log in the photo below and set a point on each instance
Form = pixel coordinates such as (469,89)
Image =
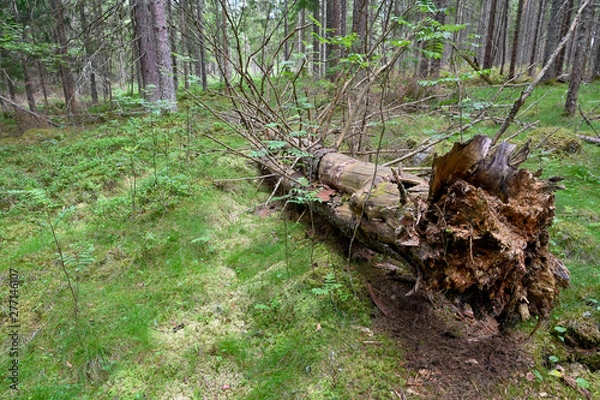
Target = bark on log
(477,231)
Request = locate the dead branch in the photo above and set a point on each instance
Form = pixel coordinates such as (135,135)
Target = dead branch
(589,139)
(36,115)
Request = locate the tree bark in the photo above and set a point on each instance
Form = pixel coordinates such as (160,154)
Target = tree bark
(536,37)
(477,231)
(334,24)
(553,36)
(155,52)
(163,52)
(579,61)
(29,86)
(488,58)
(66,74)
(516,38)
(564,27)
(201,64)
(147,50)
(360,14)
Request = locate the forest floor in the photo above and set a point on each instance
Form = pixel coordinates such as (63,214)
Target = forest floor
(149,267)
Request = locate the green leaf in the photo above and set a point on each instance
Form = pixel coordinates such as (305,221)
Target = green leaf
(556,373)
(538,375)
(298,153)
(303,181)
(275,144)
(582,383)
(258,153)
(560,329)
(553,359)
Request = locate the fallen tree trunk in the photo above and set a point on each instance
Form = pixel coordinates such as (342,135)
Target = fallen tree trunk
(476,231)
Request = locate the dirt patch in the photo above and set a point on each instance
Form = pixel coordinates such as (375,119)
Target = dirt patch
(449,353)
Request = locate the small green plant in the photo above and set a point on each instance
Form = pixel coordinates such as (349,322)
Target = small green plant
(560,331)
(330,286)
(132,152)
(63,260)
(583,383)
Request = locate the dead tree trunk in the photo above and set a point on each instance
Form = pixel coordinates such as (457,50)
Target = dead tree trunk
(477,230)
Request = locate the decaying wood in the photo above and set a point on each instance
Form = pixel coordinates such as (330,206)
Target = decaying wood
(476,231)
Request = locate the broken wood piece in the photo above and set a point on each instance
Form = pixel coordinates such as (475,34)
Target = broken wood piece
(376,301)
(589,139)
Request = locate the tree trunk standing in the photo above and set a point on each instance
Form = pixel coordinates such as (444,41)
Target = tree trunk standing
(185,48)
(224,48)
(147,51)
(334,23)
(488,57)
(64,67)
(343,24)
(43,81)
(553,36)
(89,52)
(435,64)
(564,27)
(596,54)
(301,42)
(155,52)
(201,64)
(29,85)
(516,39)
(316,59)
(503,36)
(360,16)
(579,60)
(163,52)
(286,29)
(173,43)
(536,37)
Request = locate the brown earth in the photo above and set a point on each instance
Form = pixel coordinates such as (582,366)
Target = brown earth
(448,353)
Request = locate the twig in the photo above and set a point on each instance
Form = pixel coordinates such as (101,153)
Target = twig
(587,121)
(248,178)
(517,133)
(426,144)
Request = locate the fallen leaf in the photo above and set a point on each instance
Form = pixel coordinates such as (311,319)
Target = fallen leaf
(69,365)
(530,377)
(318,327)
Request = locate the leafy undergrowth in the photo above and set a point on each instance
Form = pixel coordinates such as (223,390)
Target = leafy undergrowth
(185,287)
